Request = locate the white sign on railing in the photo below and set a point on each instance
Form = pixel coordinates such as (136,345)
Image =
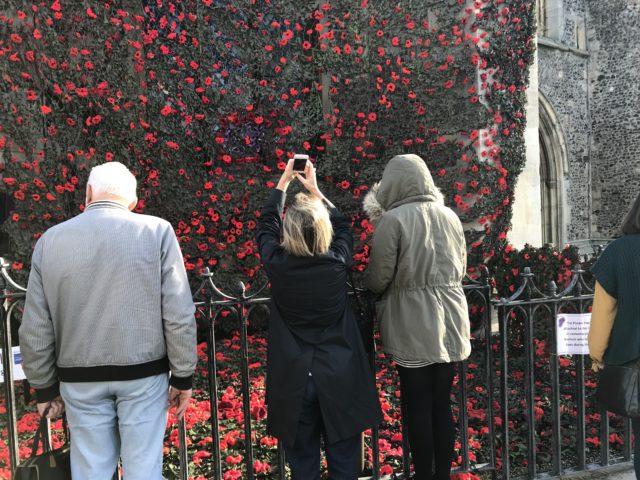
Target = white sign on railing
(572,332)
(18,373)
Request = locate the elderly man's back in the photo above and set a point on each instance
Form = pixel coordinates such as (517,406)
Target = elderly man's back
(102,275)
(108,314)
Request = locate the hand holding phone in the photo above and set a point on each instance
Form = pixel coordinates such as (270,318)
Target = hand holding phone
(300,162)
(309,180)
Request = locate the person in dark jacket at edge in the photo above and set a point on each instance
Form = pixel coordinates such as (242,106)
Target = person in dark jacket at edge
(319,383)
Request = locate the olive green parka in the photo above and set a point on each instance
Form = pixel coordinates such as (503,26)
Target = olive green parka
(417,262)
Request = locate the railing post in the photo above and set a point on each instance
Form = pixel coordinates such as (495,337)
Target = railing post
(375,431)
(581,401)
(213,395)
(529,375)
(464,416)
(375,452)
(182,450)
(580,414)
(581,450)
(246,387)
(604,437)
(530,394)
(489,376)
(7,366)
(212,374)
(556,440)
(504,394)
(627,439)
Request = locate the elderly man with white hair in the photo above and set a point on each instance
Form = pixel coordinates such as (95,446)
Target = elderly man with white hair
(108,330)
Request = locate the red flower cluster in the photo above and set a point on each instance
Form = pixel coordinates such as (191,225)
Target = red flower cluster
(206,103)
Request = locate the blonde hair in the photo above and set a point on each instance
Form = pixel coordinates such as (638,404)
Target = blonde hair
(307,229)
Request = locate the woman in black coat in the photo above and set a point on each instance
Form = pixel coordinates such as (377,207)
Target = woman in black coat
(319,383)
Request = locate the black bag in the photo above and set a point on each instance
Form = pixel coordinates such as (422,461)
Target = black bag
(364,320)
(50,464)
(619,389)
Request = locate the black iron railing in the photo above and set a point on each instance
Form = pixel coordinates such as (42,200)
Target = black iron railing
(211,302)
(555,438)
(523,321)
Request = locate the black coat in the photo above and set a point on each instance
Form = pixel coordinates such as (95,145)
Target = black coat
(312,330)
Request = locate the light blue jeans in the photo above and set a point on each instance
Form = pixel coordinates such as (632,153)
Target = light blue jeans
(111,420)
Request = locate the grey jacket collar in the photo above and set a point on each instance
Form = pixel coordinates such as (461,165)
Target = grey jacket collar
(105,204)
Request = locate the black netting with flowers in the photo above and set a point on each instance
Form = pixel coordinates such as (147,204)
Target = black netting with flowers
(205,100)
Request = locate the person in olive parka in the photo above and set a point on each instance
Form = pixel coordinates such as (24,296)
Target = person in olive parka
(319,383)
(417,261)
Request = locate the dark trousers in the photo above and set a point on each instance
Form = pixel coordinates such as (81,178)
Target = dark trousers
(304,455)
(426,393)
(635,423)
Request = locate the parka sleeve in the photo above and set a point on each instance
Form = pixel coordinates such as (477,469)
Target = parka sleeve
(383,257)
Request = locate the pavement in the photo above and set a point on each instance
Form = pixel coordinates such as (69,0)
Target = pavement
(626,475)
(622,471)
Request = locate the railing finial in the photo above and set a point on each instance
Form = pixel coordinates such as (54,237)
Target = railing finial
(5,278)
(241,288)
(484,275)
(206,273)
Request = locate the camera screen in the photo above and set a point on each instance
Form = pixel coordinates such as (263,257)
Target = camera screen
(299,164)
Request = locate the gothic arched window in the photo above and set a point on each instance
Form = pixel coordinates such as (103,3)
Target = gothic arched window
(553,170)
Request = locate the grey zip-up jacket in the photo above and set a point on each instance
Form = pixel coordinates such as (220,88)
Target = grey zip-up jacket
(107,299)
(417,262)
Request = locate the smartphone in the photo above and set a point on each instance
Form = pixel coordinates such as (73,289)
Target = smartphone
(300,162)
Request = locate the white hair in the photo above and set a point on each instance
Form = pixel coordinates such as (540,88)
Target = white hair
(113,178)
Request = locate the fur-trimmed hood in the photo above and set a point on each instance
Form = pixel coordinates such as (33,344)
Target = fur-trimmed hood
(405,179)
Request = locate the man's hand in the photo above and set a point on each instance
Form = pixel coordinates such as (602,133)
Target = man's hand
(180,400)
(55,408)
